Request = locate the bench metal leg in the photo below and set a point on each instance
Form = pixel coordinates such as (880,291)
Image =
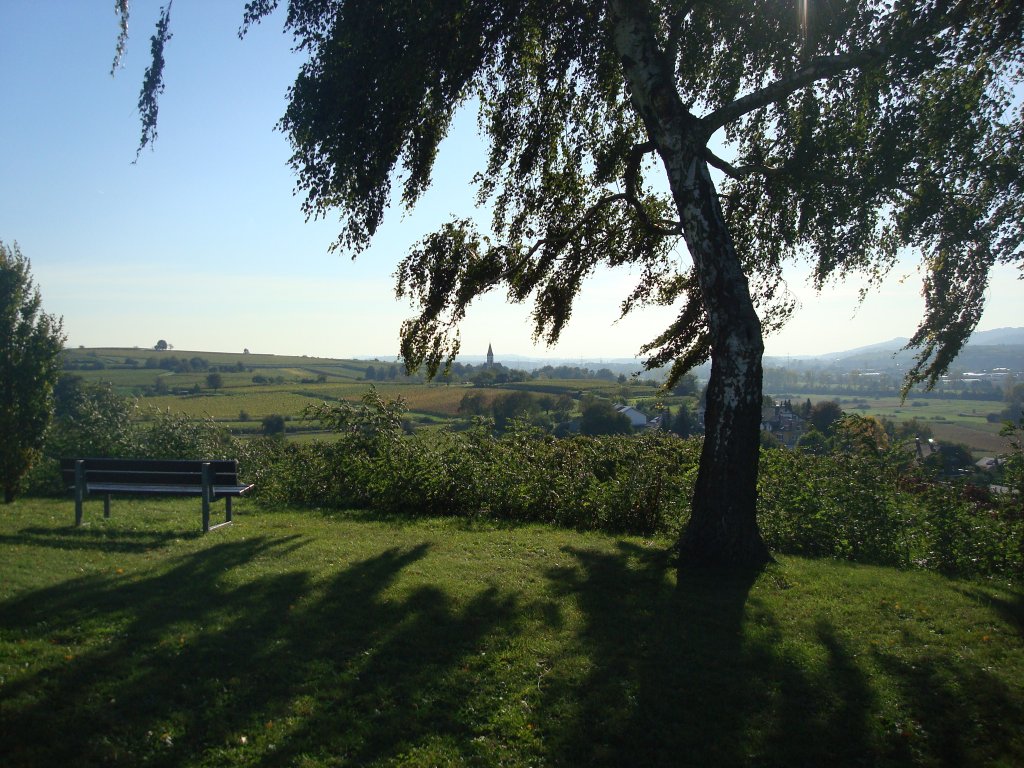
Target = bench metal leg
(79,490)
(207,495)
(227,509)
(106,506)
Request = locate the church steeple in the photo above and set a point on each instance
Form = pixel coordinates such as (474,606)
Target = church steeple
(490,356)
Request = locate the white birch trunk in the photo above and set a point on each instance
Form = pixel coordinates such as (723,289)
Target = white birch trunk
(723,528)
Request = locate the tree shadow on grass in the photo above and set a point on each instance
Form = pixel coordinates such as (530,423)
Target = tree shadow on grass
(701,674)
(1010,607)
(199,666)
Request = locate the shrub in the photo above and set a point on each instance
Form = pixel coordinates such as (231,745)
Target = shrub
(273,424)
(90,420)
(842,505)
(170,435)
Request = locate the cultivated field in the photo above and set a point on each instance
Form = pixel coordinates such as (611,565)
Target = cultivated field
(286,385)
(255,386)
(951,420)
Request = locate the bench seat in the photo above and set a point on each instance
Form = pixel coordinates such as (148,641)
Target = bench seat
(219,491)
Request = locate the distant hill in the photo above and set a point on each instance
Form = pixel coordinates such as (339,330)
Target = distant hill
(985,351)
(1000,336)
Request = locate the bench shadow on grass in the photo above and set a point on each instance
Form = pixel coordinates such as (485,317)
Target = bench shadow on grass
(98,539)
(199,666)
(700,674)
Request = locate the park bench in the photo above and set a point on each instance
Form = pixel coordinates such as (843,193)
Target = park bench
(211,479)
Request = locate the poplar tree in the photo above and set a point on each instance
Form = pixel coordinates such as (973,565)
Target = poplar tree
(30,346)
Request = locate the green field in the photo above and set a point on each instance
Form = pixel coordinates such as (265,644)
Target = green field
(951,420)
(288,385)
(294,638)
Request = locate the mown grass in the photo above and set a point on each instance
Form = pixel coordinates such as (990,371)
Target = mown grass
(296,638)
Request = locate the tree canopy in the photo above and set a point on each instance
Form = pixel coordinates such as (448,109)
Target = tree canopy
(30,345)
(842,133)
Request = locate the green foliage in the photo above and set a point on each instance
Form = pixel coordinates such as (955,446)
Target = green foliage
(836,505)
(877,507)
(687,385)
(30,345)
(515,405)
(824,414)
(600,418)
(170,435)
(472,404)
(637,485)
(90,420)
(863,435)
(273,424)
(1013,468)
(684,423)
(812,441)
(373,425)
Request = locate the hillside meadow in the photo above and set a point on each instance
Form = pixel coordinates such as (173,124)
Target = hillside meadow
(301,638)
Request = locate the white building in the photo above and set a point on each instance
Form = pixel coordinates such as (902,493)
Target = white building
(637,419)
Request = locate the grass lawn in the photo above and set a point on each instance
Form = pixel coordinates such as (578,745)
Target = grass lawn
(302,639)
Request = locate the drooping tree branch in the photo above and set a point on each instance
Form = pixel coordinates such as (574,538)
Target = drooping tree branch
(818,69)
(740,172)
(824,67)
(122,10)
(153,81)
(632,178)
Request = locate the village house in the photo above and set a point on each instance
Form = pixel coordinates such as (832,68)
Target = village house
(782,422)
(637,419)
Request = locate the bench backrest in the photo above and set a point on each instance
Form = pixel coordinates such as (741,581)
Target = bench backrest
(151,471)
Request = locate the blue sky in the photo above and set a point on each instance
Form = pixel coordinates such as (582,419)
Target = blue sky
(202,242)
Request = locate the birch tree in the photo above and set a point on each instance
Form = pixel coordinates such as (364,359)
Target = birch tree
(843,134)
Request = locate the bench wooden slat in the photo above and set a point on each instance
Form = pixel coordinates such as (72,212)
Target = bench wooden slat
(153,465)
(153,473)
(156,478)
(188,489)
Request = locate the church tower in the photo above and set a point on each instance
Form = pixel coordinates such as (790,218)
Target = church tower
(490,357)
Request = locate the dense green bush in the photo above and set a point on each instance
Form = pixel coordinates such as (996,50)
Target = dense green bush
(840,505)
(170,435)
(89,420)
(881,509)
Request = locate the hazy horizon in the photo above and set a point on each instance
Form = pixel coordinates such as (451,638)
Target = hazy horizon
(502,356)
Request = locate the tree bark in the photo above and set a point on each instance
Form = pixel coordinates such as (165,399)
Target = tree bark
(723,531)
